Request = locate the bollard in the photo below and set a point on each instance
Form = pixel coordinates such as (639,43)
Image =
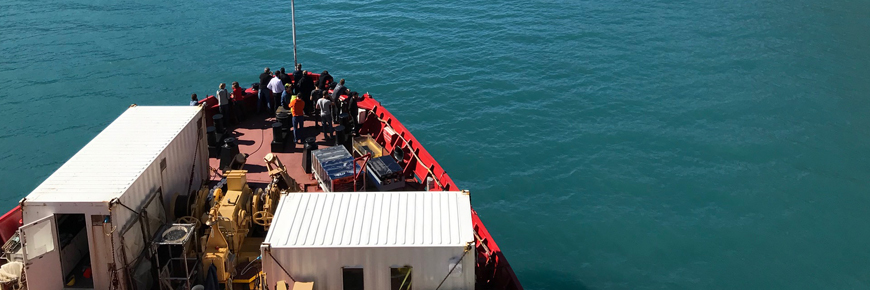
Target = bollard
(219,123)
(310,145)
(228,151)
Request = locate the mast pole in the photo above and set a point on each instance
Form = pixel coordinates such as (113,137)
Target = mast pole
(293,19)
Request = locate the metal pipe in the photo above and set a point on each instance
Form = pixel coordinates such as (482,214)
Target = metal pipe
(293,20)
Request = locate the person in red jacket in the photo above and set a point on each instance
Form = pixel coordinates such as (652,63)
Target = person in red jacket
(238,92)
(237,102)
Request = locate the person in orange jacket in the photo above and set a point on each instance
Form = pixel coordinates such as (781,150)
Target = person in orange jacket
(297,106)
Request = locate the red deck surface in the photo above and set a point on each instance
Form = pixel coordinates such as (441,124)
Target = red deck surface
(254,137)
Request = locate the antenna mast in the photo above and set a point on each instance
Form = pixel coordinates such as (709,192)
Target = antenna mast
(293,19)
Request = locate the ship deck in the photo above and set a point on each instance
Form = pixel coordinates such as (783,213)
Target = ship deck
(254,137)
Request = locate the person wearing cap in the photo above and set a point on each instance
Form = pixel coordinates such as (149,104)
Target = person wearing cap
(287,96)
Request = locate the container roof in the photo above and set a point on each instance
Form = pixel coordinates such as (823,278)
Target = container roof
(372,219)
(106,167)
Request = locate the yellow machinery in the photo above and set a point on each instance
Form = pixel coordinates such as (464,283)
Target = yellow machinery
(196,208)
(264,206)
(227,244)
(232,213)
(230,222)
(216,252)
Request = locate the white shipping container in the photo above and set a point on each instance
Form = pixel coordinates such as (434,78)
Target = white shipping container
(316,236)
(120,183)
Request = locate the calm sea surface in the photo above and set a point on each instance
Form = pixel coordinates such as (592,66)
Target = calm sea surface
(607,144)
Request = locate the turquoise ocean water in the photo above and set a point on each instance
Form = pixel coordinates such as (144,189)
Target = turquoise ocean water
(607,144)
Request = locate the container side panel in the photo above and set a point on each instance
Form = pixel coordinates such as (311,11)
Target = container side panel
(323,266)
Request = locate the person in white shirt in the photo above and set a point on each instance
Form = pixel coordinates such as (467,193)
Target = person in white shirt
(277,88)
(223,98)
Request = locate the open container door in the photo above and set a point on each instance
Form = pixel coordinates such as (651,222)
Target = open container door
(41,255)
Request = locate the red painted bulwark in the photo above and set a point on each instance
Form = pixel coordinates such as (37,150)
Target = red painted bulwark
(9,223)
(493,269)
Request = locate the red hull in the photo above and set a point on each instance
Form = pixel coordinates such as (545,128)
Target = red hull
(9,223)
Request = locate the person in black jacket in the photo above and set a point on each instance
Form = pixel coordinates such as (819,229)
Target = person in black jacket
(324,80)
(263,93)
(306,85)
(286,79)
(297,75)
(353,110)
(339,90)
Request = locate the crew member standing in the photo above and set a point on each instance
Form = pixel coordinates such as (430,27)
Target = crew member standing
(326,108)
(353,110)
(297,75)
(277,88)
(286,79)
(339,90)
(316,93)
(236,102)
(306,85)
(263,92)
(223,97)
(287,96)
(297,108)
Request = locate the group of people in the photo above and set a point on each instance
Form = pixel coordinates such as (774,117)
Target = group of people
(227,101)
(298,93)
(274,85)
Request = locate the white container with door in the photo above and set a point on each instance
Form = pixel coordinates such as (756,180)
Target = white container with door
(372,240)
(106,202)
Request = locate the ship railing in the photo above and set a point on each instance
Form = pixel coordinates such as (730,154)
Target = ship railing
(406,144)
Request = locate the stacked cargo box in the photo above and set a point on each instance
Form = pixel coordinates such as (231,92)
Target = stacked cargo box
(333,167)
(386,173)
